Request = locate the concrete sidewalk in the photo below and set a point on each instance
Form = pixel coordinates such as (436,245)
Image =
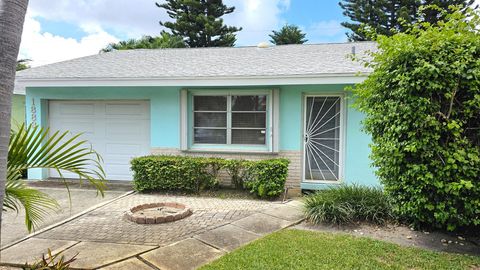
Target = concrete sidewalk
(104,239)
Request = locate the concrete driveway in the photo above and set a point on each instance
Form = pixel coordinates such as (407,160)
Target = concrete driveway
(13,224)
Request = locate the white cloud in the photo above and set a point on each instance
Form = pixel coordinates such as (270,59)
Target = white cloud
(106,21)
(330,30)
(44,48)
(131,18)
(257,17)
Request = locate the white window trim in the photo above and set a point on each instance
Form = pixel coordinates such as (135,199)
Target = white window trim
(184,119)
(272,127)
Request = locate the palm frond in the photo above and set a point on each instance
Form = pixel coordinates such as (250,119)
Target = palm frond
(34,147)
(37,204)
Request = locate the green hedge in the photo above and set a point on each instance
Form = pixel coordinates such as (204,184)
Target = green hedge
(264,178)
(190,174)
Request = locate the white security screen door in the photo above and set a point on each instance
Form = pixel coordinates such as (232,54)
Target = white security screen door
(322,138)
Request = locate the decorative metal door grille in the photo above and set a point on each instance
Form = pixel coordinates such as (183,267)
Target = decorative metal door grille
(322,138)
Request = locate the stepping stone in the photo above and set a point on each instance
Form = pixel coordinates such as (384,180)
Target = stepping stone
(261,224)
(129,264)
(95,254)
(227,237)
(31,250)
(183,255)
(285,212)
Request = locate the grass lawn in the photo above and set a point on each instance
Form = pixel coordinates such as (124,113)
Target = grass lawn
(296,249)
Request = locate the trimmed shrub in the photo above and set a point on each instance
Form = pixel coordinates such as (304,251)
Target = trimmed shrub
(422,106)
(190,174)
(347,204)
(214,165)
(238,170)
(266,178)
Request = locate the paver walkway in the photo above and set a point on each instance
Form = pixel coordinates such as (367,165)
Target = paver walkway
(103,238)
(13,224)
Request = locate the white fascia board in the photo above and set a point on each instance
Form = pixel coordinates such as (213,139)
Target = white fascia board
(19,88)
(198,81)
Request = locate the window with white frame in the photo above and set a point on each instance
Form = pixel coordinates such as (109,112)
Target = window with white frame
(230,119)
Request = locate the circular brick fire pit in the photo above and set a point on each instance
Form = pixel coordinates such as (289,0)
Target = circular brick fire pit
(155,213)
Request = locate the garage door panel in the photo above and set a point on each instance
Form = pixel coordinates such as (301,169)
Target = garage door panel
(118,131)
(77,109)
(122,149)
(125,130)
(87,128)
(118,171)
(136,111)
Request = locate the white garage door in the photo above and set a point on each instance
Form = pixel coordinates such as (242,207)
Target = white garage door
(117,130)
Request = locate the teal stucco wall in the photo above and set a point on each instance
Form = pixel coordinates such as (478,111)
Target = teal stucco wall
(18,111)
(165,119)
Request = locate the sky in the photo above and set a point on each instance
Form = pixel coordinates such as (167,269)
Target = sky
(64,29)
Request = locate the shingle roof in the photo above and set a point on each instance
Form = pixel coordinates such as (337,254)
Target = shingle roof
(275,61)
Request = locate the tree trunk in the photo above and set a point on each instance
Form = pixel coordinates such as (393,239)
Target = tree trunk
(12,16)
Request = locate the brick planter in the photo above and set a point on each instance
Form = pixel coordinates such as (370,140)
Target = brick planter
(156,213)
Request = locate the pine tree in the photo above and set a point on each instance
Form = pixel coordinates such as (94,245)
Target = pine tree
(433,15)
(289,34)
(199,22)
(387,17)
(363,12)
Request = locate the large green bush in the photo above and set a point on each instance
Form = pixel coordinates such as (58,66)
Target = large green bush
(348,203)
(422,106)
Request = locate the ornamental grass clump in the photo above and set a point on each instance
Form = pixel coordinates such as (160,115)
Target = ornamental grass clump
(422,107)
(347,204)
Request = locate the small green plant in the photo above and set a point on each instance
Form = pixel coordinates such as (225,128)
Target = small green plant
(266,178)
(347,204)
(51,262)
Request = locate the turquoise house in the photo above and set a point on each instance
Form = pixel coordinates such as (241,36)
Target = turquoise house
(246,102)
(18,106)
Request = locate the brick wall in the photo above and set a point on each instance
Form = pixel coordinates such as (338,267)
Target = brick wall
(294,169)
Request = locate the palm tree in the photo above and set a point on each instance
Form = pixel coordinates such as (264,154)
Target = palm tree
(23,64)
(31,147)
(165,40)
(12,16)
(34,147)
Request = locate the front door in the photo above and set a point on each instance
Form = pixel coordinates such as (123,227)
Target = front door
(322,139)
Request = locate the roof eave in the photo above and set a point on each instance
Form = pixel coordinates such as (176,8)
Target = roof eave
(331,78)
